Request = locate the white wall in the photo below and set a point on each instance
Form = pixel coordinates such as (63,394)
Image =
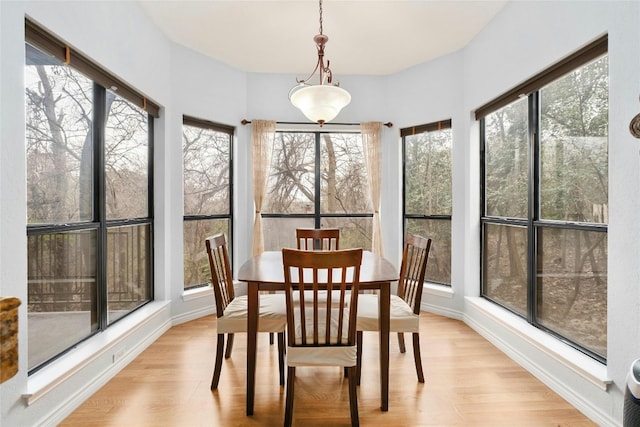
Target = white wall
(525,38)
(425,94)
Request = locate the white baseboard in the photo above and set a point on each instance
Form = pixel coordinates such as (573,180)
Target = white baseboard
(597,376)
(73,402)
(97,356)
(192,315)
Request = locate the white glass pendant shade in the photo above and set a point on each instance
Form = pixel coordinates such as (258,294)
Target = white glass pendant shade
(320,103)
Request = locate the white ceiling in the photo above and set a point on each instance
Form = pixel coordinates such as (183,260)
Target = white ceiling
(377,37)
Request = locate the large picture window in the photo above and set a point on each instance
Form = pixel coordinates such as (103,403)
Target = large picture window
(317,180)
(89,198)
(427,192)
(545,201)
(207,171)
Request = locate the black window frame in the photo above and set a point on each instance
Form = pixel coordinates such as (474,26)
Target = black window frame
(533,223)
(41,39)
(229,130)
(415,130)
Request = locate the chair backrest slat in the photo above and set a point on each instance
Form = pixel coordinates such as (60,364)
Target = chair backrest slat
(314,239)
(220,268)
(331,271)
(412,270)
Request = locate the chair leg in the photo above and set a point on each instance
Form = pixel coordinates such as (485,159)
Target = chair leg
(271,333)
(288,411)
(218,365)
(416,356)
(353,397)
(401,342)
(227,354)
(281,356)
(358,356)
(345,371)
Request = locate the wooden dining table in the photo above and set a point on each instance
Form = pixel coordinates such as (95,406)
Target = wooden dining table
(265,272)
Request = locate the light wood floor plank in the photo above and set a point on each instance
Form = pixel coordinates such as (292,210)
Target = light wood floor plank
(469,382)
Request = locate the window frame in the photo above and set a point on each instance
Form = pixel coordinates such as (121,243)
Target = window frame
(533,224)
(47,43)
(230,131)
(404,133)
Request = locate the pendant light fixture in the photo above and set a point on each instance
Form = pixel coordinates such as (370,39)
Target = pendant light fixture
(322,102)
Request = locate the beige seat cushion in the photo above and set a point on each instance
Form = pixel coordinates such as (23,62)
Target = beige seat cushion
(403,319)
(320,355)
(272,317)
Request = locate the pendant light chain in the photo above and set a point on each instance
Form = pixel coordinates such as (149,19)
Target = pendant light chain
(320,16)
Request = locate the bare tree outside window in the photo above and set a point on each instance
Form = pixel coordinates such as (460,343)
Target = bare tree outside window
(317,180)
(126,159)
(207,202)
(59,144)
(64,216)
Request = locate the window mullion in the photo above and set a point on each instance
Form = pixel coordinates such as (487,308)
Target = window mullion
(100,209)
(483,204)
(483,168)
(533,208)
(150,203)
(231,201)
(317,218)
(404,186)
(150,168)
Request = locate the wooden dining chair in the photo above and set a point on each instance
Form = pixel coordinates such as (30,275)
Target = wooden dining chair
(321,332)
(232,311)
(314,239)
(405,306)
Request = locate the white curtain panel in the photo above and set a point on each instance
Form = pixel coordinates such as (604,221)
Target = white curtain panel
(263,133)
(372,144)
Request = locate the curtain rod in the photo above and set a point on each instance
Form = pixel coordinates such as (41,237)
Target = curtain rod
(246,122)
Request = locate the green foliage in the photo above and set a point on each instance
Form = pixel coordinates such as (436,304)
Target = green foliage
(574,145)
(428,173)
(506,159)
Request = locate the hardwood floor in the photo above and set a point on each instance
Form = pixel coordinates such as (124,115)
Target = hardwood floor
(468,382)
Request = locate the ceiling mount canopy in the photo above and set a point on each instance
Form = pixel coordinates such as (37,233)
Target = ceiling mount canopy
(322,102)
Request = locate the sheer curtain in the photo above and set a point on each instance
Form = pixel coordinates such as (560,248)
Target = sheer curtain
(263,133)
(372,144)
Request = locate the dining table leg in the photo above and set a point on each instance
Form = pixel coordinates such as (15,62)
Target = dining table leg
(252,337)
(384,303)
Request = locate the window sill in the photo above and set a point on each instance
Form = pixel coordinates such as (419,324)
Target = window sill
(438,290)
(583,365)
(58,371)
(193,294)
